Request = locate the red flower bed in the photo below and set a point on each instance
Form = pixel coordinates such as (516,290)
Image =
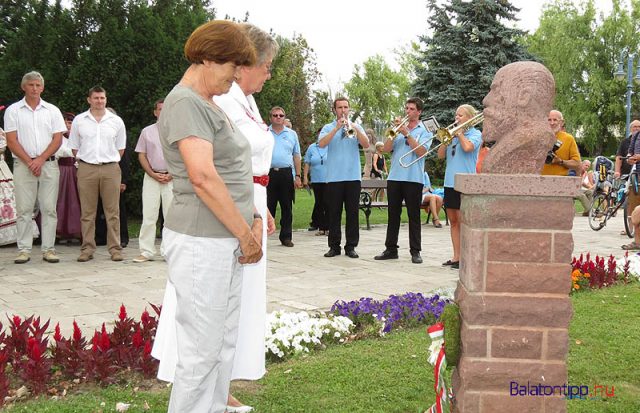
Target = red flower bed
(28,357)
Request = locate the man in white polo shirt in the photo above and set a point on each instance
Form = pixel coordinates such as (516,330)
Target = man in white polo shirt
(157,188)
(98,139)
(34,133)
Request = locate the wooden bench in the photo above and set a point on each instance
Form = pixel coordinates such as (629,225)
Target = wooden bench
(370,190)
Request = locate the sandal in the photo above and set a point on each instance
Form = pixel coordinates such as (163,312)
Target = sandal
(631,246)
(437,224)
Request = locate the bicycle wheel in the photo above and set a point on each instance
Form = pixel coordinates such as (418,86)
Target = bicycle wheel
(628,226)
(598,212)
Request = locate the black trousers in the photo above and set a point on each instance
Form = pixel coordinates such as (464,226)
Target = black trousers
(411,194)
(280,191)
(345,193)
(320,214)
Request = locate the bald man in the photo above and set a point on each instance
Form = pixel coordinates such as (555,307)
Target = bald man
(564,155)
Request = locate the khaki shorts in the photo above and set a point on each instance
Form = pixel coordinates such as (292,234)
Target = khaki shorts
(633,200)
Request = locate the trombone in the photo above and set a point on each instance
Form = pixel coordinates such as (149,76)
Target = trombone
(445,136)
(392,132)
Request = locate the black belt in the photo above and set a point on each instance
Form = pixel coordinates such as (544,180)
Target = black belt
(49,159)
(99,163)
(288,168)
(160,172)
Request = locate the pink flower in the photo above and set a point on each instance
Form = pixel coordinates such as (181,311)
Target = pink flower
(137,338)
(123,313)
(77,334)
(57,336)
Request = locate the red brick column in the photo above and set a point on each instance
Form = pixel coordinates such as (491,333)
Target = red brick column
(515,278)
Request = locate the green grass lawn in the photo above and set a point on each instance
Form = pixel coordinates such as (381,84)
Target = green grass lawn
(391,374)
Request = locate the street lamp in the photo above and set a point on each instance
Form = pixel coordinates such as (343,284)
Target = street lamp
(620,75)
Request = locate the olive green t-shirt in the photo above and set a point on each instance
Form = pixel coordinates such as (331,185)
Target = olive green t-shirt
(186,114)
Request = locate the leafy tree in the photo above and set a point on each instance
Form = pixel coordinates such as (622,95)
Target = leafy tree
(376,92)
(322,113)
(470,42)
(292,72)
(13,14)
(582,52)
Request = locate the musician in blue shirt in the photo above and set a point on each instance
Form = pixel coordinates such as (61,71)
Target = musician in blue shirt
(315,162)
(341,138)
(405,184)
(462,156)
(282,181)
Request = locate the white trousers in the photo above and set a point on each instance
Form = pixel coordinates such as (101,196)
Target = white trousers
(28,189)
(208,280)
(153,194)
(249,363)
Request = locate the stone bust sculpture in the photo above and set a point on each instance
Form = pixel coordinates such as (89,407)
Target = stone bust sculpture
(515,117)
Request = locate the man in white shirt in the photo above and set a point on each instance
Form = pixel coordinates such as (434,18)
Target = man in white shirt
(34,134)
(157,188)
(98,139)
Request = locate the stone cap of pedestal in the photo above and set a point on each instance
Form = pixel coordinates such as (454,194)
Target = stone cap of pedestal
(517,184)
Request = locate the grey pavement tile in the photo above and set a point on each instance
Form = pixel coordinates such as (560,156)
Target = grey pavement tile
(297,278)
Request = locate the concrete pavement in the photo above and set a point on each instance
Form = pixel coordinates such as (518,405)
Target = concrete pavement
(298,278)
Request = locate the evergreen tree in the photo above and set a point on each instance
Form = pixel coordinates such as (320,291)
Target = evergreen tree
(470,42)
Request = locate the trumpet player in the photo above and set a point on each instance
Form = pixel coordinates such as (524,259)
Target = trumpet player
(405,184)
(462,156)
(343,177)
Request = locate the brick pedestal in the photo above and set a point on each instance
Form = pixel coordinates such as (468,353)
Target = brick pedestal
(515,278)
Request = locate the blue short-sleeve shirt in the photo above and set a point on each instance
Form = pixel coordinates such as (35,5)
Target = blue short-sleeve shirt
(400,148)
(285,146)
(343,155)
(459,161)
(316,158)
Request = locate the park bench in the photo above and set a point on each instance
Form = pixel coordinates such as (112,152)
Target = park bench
(369,191)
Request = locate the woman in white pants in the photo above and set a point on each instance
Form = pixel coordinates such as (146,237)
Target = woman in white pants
(212,229)
(240,107)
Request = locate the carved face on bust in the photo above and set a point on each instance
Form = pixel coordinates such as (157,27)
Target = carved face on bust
(499,116)
(520,92)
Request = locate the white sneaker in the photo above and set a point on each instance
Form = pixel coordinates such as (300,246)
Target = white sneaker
(142,258)
(239,409)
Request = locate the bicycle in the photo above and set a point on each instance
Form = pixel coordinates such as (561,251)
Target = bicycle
(609,196)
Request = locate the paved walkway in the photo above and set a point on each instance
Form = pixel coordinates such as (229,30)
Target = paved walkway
(298,278)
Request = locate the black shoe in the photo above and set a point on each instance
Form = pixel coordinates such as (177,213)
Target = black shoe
(455,265)
(351,254)
(287,243)
(312,228)
(449,262)
(332,253)
(416,258)
(387,255)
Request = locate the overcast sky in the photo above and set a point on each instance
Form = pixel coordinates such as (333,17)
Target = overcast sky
(347,32)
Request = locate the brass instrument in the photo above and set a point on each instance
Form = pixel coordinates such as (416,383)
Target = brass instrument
(347,128)
(445,136)
(392,132)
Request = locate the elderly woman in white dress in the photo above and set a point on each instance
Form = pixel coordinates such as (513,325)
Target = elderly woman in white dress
(240,107)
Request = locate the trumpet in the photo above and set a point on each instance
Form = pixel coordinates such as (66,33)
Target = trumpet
(445,136)
(392,132)
(348,128)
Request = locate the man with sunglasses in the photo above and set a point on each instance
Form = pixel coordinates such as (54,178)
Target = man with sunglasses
(282,180)
(405,184)
(343,177)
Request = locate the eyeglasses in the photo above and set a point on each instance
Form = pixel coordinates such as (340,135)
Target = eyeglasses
(277,115)
(453,150)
